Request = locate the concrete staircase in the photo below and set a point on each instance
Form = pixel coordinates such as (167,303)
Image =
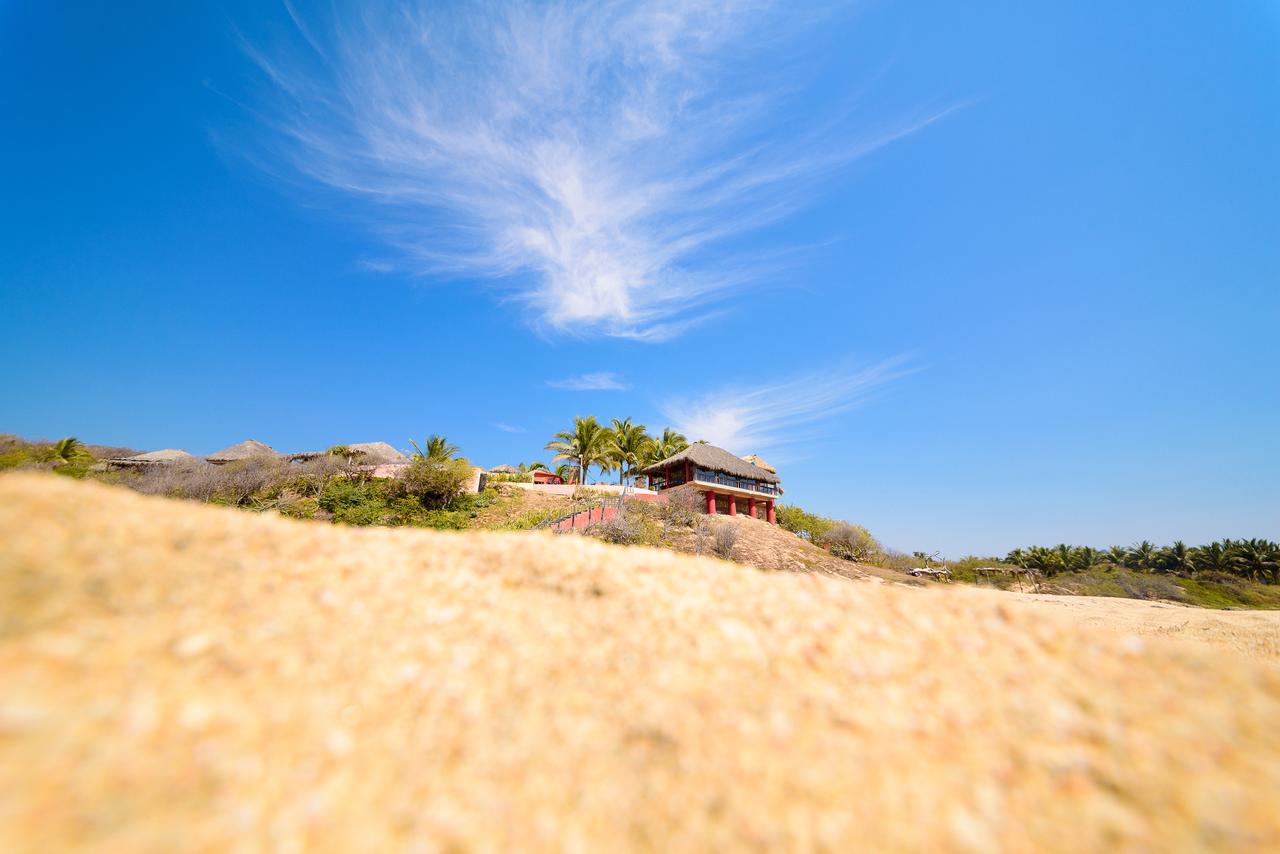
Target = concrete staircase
(593,512)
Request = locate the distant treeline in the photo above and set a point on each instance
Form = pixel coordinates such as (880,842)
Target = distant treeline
(1256,560)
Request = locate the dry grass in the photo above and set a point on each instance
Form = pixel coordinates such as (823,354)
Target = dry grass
(767,547)
(514,503)
(181,677)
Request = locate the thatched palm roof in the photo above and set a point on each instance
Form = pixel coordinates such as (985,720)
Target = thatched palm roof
(716,459)
(377,452)
(243,451)
(505,469)
(756,461)
(166,456)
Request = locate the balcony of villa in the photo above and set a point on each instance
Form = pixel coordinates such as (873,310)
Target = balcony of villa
(725,484)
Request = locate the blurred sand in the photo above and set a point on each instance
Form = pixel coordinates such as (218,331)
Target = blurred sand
(179,677)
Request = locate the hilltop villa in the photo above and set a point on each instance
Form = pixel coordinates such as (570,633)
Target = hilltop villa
(723,482)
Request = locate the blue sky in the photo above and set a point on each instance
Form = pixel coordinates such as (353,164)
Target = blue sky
(974,275)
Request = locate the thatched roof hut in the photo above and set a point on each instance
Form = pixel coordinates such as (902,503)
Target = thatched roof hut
(377,453)
(166,457)
(756,461)
(243,451)
(715,459)
(504,469)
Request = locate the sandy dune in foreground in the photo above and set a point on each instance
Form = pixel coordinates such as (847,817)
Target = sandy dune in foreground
(182,677)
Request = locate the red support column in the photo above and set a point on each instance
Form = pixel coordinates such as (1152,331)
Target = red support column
(733,505)
(773,519)
(711,503)
(751,507)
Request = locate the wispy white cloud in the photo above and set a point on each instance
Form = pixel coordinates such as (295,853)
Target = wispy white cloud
(777,414)
(506,428)
(599,381)
(593,155)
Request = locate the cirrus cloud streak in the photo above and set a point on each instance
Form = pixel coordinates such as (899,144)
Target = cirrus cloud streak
(594,157)
(755,418)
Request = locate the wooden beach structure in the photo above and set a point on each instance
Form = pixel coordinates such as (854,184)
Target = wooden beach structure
(722,482)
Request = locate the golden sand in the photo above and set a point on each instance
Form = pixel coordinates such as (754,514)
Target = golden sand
(179,677)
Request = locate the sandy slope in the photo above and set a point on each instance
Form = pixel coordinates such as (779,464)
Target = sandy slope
(1252,633)
(772,548)
(182,677)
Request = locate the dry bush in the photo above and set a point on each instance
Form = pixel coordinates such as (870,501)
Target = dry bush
(243,478)
(620,530)
(726,537)
(702,537)
(191,479)
(111,452)
(678,511)
(202,481)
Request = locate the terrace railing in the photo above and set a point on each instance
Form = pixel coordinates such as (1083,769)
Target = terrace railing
(722,479)
(592,510)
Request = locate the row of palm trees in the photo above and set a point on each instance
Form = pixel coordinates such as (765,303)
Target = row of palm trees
(623,446)
(1255,559)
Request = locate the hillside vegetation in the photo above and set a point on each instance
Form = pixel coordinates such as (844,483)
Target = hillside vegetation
(181,677)
(335,487)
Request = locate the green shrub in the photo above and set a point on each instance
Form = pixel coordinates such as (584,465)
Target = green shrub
(297,507)
(435,483)
(806,525)
(12,458)
(355,502)
(470,502)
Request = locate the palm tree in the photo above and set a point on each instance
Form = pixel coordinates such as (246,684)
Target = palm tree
(665,447)
(1211,556)
(1257,559)
(1143,556)
(437,449)
(671,443)
(67,451)
(629,445)
(1118,555)
(1043,559)
(1177,558)
(537,467)
(1086,557)
(565,472)
(586,445)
